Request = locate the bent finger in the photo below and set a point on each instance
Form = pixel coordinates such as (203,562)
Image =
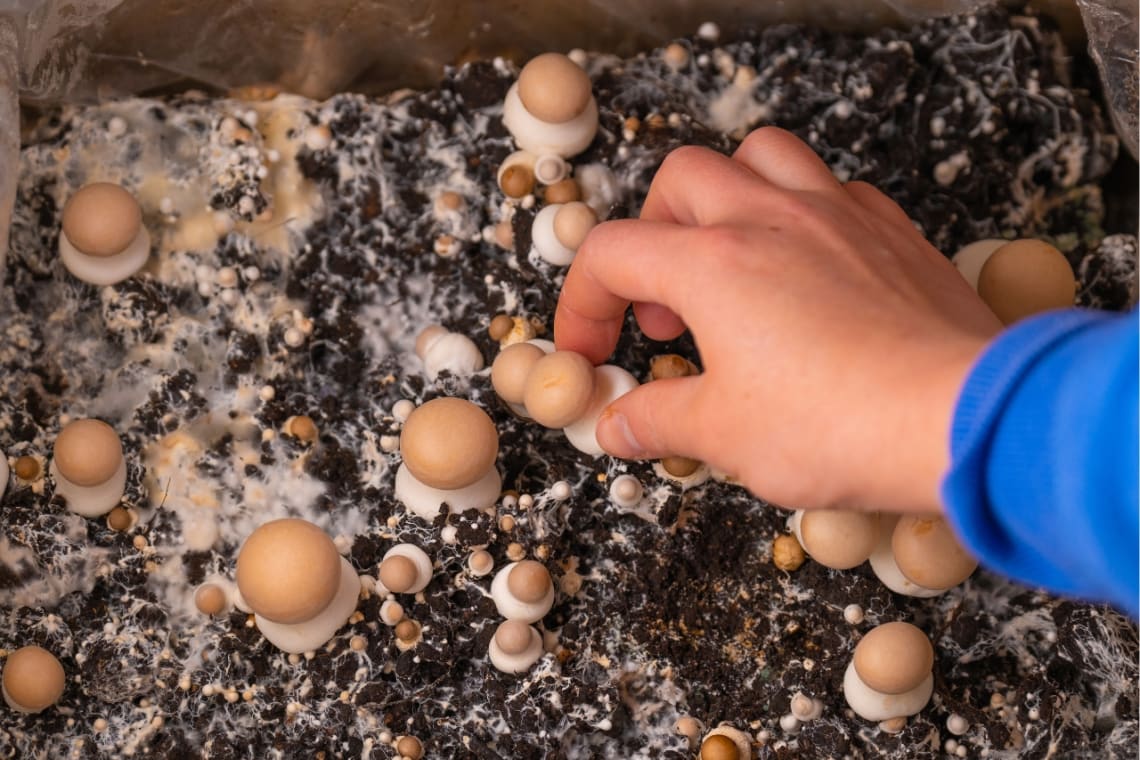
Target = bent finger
(619,263)
(654,420)
(785,160)
(658,322)
(697,186)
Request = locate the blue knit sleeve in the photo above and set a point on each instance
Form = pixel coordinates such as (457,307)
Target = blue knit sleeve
(1042,485)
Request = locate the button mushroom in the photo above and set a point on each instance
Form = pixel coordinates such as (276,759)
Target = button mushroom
(33,680)
(88,467)
(890,675)
(551,108)
(523,591)
(1024,278)
(103,240)
(559,229)
(839,539)
(515,647)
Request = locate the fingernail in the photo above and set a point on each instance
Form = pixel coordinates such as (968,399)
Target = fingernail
(616,437)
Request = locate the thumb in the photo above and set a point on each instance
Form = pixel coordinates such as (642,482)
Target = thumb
(655,420)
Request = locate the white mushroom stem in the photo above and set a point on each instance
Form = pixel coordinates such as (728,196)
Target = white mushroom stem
(425,501)
(516,663)
(566,139)
(312,634)
(91,501)
(610,383)
(513,608)
(876,706)
(421,560)
(105,270)
(544,243)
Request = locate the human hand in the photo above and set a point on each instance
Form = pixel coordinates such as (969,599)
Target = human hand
(834,338)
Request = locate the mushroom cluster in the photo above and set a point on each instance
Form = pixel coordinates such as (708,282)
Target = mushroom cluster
(103,240)
(298,587)
(523,593)
(449,446)
(88,467)
(33,680)
(559,389)
(890,676)
(1018,279)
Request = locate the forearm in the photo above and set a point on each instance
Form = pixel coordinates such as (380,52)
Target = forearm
(1043,478)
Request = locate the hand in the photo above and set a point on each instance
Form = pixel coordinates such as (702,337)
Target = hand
(834,338)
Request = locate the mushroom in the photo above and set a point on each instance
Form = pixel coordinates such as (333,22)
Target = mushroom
(500,326)
(1024,278)
(928,550)
(516,174)
(88,467)
(970,258)
(442,350)
(626,491)
(563,191)
(391,612)
(299,588)
(890,675)
(726,743)
(610,383)
(559,388)
(103,240)
(839,539)
(510,370)
(449,446)
(559,229)
(33,680)
(410,747)
(515,647)
(405,569)
(480,563)
(211,599)
(523,591)
(551,109)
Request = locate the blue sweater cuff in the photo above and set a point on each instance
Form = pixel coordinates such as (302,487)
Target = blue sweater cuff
(1042,485)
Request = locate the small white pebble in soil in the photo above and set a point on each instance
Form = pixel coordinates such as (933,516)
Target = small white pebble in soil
(853,614)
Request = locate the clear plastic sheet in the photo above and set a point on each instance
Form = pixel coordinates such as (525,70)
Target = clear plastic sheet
(65,51)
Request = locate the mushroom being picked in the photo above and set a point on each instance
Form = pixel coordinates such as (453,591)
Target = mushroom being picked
(551,108)
(405,569)
(523,591)
(559,229)
(103,240)
(515,647)
(890,675)
(440,350)
(509,373)
(449,446)
(559,388)
(33,680)
(839,539)
(610,383)
(88,467)
(920,556)
(1024,278)
(300,590)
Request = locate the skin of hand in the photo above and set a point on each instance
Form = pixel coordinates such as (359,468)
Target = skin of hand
(834,338)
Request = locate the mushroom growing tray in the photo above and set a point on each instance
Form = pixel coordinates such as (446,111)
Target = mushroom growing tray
(296,261)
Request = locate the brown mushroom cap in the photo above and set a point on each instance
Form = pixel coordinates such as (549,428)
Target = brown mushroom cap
(572,223)
(210,599)
(553,88)
(513,636)
(680,467)
(839,539)
(1026,277)
(719,747)
(410,746)
(33,678)
(563,191)
(407,630)
(928,553)
(88,452)
(894,658)
(288,570)
(398,573)
(101,219)
(559,388)
(529,581)
(516,180)
(511,368)
(449,443)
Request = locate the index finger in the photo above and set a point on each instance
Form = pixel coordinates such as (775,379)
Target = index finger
(621,262)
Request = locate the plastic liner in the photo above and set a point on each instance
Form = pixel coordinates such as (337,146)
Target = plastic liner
(54,51)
